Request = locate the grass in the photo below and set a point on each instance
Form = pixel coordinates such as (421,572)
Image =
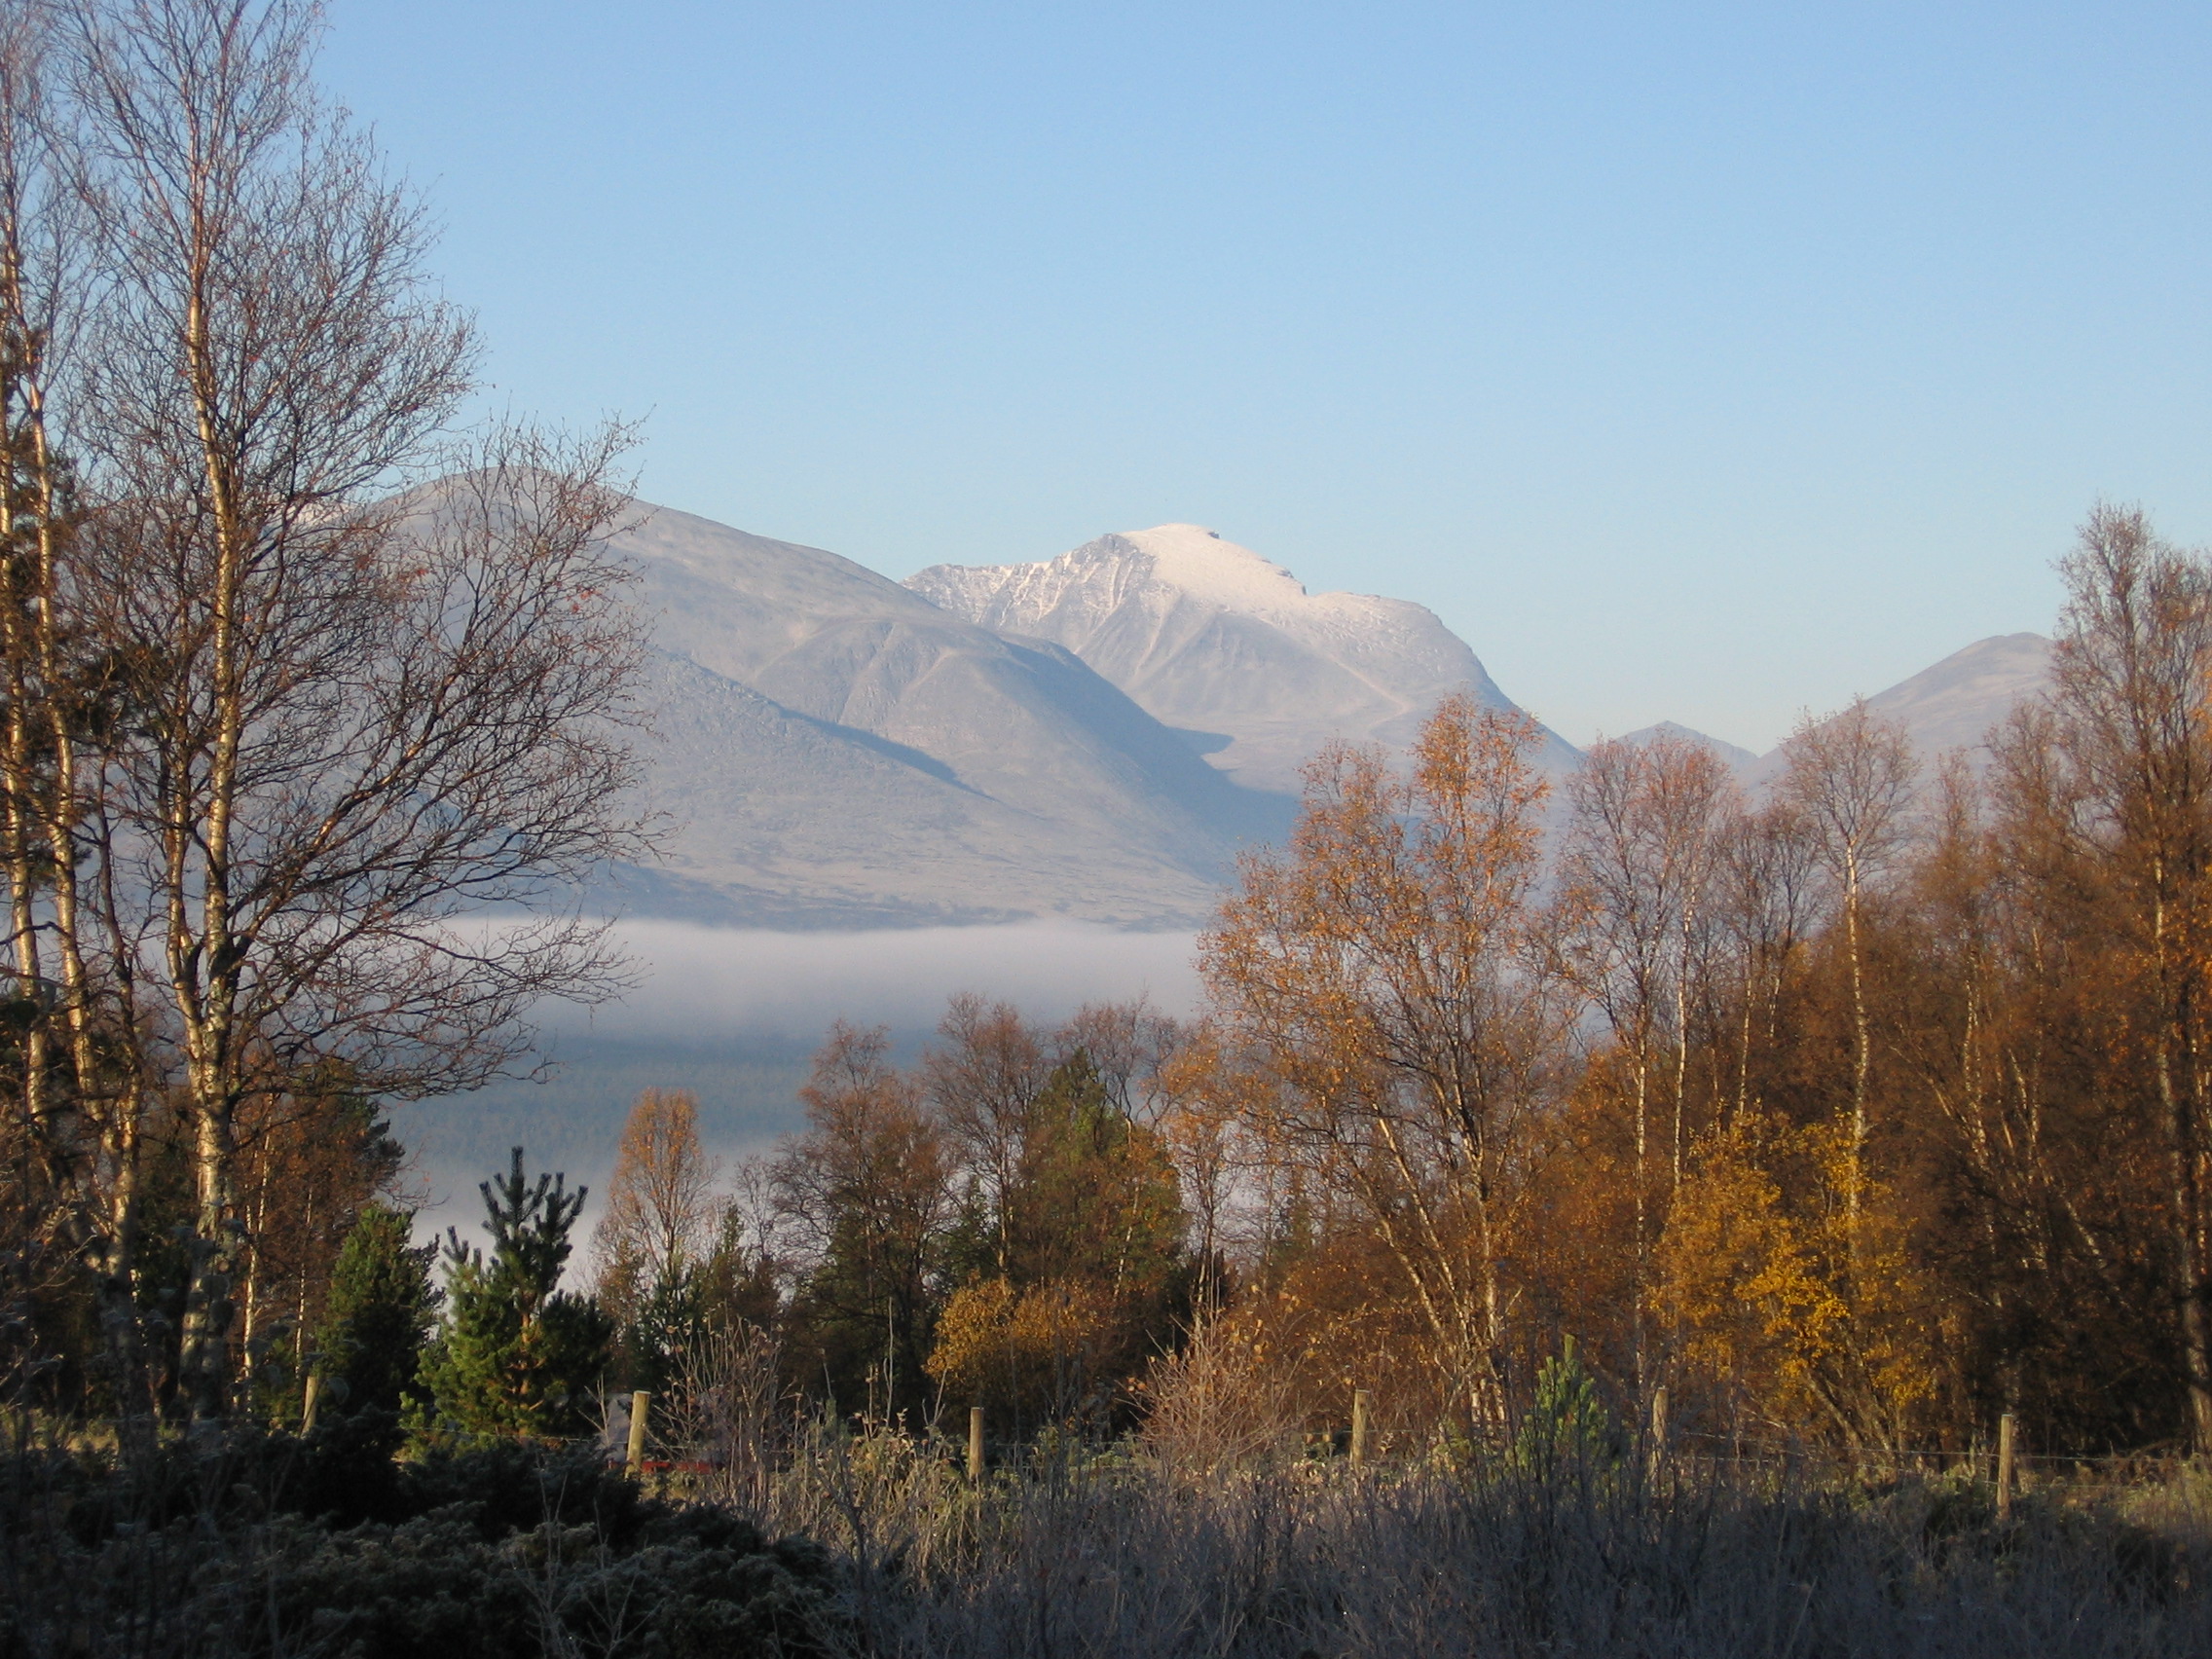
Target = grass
(1119,1555)
(1105,1551)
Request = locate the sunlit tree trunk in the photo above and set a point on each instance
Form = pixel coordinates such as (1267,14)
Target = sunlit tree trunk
(361,717)
(1639,853)
(1850,778)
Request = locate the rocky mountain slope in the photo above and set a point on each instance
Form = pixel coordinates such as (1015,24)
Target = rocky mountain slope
(1229,647)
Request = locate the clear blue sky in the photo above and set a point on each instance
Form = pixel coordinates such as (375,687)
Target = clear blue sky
(1702,362)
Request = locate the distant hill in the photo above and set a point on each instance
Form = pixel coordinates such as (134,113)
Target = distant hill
(1955,703)
(1734,758)
(1229,647)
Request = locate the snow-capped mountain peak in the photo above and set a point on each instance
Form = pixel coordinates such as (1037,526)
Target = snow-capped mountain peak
(1201,563)
(1214,639)
(1149,568)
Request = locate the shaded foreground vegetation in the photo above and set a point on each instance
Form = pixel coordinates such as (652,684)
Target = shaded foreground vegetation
(255,1544)
(252,1543)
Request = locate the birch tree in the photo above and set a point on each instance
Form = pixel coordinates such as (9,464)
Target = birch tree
(661,1209)
(2132,668)
(982,1080)
(1389,976)
(83,1086)
(1638,864)
(1769,900)
(1850,779)
(339,720)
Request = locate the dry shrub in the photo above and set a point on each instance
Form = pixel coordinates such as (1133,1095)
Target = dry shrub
(893,1502)
(722,1415)
(1222,1402)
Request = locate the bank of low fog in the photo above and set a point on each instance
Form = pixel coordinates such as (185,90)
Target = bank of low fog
(734,1014)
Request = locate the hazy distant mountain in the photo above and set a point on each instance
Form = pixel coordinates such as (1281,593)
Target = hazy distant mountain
(1954,704)
(1229,647)
(838,751)
(1734,758)
(1957,702)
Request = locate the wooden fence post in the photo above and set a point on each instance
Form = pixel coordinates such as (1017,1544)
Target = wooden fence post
(976,1443)
(639,1404)
(1358,1427)
(313,1399)
(2007,1431)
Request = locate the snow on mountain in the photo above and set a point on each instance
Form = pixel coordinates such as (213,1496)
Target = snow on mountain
(988,744)
(1229,647)
(838,751)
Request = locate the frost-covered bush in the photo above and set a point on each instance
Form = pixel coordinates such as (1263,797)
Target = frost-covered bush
(272,1545)
(695,1584)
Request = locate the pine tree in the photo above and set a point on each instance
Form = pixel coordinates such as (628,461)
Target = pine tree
(381,1312)
(1094,1195)
(515,1354)
(671,1323)
(1566,1426)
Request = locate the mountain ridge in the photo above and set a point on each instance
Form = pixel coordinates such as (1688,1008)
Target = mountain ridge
(1210,637)
(1076,737)
(834,744)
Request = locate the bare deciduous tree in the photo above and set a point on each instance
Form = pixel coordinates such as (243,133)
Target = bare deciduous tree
(983,1079)
(338,724)
(1128,1041)
(1768,905)
(1850,780)
(1637,869)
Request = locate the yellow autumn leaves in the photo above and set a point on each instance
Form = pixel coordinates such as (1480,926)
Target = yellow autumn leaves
(1807,1304)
